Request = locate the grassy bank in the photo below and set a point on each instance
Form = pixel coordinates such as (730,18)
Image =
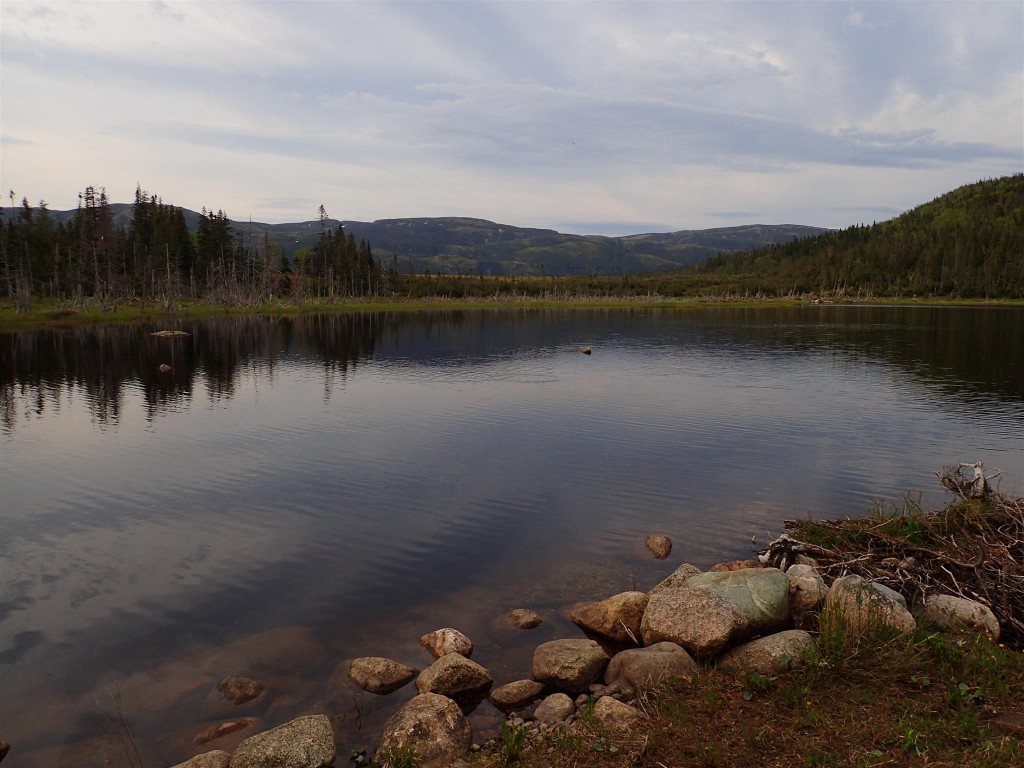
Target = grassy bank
(63,314)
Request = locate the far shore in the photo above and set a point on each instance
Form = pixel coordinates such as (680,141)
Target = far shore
(56,314)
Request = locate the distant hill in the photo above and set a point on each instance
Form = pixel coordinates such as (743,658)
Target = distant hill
(453,245)
(968,243)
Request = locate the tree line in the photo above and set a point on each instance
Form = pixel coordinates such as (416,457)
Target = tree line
(155,256)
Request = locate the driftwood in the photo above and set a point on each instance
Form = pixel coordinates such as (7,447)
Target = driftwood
(974,548)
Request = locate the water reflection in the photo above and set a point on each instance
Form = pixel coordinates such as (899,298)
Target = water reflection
(295,492)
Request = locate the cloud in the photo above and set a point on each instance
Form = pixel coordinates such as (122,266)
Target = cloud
(548,114)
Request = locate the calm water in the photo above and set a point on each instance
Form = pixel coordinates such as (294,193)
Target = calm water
(295,493)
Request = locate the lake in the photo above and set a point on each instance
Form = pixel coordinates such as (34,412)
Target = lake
(294,493)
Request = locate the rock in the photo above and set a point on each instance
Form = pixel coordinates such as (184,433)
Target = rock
(441,642)
(432,726)
(223,729)
(677,578)
(807,591)
(453,674)
(660,546)
(586,350)
(238,689)
(617,618)
(218,758)
(735,565)
(4,749)
(377,674)
(958,613)
(858,606)
(762,595)
(769,655)
(569,665)
(305,742)
(701,619)
(647,666)
(521,618)
(164,367)
(515,695)
(614,715)
(556,708)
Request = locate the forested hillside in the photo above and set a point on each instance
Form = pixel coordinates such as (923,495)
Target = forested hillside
(967,243)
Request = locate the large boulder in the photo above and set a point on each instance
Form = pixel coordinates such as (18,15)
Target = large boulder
(613,715)
(379,675)
(762,595)
(515,695)
(569,666)
(430,725)
(807,591)
(769,655)
(617,618)
(701,619)
(305,742)
(677,578)
(441,642)
(556,708)
(453,675)
(218,758)
(959,614)
(648,666)
(858,607)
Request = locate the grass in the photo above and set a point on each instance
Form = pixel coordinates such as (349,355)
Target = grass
(912,700)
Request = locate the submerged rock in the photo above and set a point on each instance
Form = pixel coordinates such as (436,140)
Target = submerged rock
(218,730)
(238,689)
(521,618)
(432,726)
(377,674)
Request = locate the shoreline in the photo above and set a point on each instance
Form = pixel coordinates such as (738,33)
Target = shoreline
(60,315)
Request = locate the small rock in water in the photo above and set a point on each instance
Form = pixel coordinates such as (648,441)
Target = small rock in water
(522,618)
(4,749)
(238,689)
(164,367)
(441,642)
(223,729)
(660,546)
(586,350)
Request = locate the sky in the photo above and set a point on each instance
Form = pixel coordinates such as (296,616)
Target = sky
(589,118)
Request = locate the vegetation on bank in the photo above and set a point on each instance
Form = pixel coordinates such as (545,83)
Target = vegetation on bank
(929,698)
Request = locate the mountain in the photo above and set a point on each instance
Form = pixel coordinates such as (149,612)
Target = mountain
(966,243)
(453,245)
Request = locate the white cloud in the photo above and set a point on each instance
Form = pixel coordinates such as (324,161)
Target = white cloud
(526,113)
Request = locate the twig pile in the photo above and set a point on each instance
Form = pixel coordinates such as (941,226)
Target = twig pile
(974,548)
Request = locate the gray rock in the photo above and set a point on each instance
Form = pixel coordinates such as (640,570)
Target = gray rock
(432,726)
(857,606)
(648,666)
(891,593)
(215,759)
(769,655)
(379,675)
(677,578)
(556,708)
(660,546)
(701,619)
(958,614)
(613,715)
(521,618)
(238,689)
(515,695)
(441,642)
(305,742)
(807,591)
(617,618)
(762,595)
(569,665)
(453,674)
